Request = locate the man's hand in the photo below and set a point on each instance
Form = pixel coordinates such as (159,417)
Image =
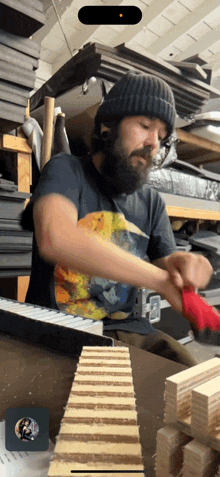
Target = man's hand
(173,295)
(189,269)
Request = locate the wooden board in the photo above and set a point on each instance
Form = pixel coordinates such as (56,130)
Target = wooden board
(15,144)
(195,149)
(180,455)
(19,18)
(191,398)
(99,429)
(189,445)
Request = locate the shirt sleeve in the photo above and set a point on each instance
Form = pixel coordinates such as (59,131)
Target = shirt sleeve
(162,240)
(60,175)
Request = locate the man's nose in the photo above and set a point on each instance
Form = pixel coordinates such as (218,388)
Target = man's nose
(152,139)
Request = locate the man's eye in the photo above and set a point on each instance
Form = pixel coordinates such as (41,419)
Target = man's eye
(144,126)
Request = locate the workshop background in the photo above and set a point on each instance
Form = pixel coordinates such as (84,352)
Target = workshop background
(39,56)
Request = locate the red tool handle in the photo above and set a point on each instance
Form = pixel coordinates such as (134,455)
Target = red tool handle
(198,311)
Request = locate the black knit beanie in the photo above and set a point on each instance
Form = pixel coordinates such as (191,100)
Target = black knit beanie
(138,94)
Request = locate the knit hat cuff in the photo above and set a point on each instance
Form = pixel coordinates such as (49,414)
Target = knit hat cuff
(134,106)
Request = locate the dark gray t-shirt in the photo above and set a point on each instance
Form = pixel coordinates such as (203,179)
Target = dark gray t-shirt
(137,223)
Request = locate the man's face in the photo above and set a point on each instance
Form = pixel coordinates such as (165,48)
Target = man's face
(129,152)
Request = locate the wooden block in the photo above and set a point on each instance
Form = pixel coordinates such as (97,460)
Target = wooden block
(14,144)
(169,452)
(99,428)
(199,460)
(22,287)
(206,409)
(178,390)
(23,171)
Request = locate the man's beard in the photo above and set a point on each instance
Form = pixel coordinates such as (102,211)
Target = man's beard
(117,167)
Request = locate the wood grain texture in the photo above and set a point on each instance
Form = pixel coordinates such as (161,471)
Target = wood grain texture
(189,445)
(99,428)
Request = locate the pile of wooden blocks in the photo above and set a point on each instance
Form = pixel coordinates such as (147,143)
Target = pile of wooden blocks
(189,444)
(19,58)
(99,430)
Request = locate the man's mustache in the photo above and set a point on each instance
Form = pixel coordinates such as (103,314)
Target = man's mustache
(145,153)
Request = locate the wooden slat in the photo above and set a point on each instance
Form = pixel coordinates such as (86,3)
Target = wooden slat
(14,144)
(24,171)
(47,130)
(183,212)
(189,444)
(197,141)
(24,181)
(99,429)
(22,286)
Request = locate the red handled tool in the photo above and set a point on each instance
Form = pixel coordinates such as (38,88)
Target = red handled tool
(203,318)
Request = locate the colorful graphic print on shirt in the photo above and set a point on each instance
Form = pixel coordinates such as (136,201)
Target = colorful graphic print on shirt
(95,297)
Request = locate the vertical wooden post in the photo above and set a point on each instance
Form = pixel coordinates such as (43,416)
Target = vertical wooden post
(47,130)
(24,181)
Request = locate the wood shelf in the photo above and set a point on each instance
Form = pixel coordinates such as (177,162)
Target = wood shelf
(194,209)
(19,145)
(196,150)
(14,144)
(193,214)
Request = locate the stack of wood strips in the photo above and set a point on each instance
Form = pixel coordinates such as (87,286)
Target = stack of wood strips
(169,456)
(190,442)
(200,459)
(99,430)
(178,390)
(19,58)
(206,408)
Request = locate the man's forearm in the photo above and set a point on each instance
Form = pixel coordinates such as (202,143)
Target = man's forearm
(88,253)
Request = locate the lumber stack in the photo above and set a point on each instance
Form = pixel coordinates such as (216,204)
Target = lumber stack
(189,444)
(19,58)
(99,429)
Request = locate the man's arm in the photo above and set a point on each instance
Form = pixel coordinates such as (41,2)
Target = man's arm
(161,262)
(61,240)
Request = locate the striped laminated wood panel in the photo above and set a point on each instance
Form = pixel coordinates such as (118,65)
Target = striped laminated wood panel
(99,430)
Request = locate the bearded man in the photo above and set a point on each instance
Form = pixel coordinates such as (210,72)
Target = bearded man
(96,220)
